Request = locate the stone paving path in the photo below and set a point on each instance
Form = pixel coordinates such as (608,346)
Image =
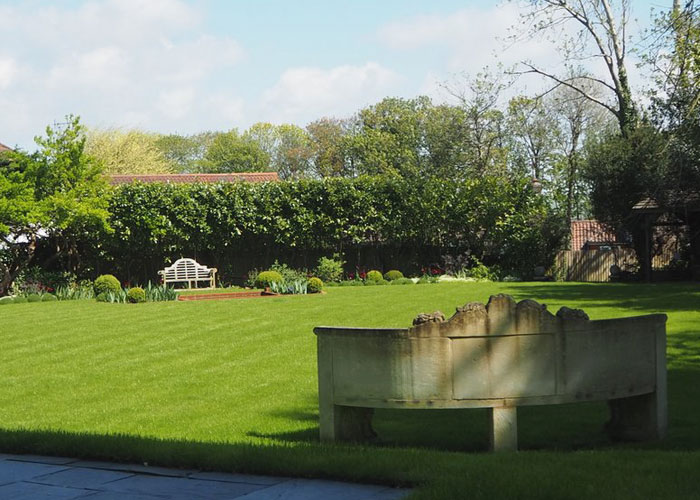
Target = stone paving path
(36,478)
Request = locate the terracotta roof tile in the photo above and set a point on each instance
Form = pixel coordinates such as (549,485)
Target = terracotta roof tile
(193,178)
(590,231)
(4,148)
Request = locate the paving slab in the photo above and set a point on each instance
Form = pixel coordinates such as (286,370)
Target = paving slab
(38,478)
(23,490)
(81,477)
(175,487)
(12,471)
(307,489)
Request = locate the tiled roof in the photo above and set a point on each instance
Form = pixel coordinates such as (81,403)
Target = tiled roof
(4,148)
(590,231)
(193,178)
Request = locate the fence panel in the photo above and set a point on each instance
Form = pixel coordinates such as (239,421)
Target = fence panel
(593,265)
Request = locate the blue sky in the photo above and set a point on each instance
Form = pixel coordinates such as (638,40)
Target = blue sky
(188,66)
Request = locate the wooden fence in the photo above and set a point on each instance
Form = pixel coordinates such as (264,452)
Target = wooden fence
(594,265)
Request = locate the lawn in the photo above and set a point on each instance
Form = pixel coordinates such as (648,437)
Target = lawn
(231,385)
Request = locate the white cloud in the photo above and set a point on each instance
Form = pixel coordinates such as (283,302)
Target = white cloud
(123,63)
(472,37)
(8,71)
(307,93)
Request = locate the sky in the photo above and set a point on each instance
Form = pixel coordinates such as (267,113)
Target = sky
(186,66)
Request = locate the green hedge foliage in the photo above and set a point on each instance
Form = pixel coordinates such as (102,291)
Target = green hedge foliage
(496,220)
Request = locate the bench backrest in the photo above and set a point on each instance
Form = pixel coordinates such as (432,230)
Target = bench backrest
(186,269)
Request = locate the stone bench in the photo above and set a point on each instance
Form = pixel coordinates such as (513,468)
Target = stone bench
(189,271)
(499,356)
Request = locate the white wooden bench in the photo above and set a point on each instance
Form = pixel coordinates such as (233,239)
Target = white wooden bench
(190,271)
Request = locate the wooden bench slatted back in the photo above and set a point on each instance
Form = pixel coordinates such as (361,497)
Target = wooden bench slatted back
(190,271)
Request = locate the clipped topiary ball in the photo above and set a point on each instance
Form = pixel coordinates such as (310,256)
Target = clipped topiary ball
(375,276)
(19,300)
(33,297)
(402,281)
(49,298)
(106,283)
(382,282)
(265,278)
(136,295)
(315,285)
(393,275)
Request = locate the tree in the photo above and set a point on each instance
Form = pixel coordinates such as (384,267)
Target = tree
(534,134)
(327,144)
(229,152)
(127,152)
(56,193)
(479,97)
(294,152)
(185,153)
(601,35)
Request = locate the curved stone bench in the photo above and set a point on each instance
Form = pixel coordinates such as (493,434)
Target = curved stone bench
(500,356)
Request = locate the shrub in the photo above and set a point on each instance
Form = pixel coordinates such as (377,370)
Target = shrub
(330,269)
(402,281)
(136,295)
(6,300)
(371,283)
(289,274)
(315,285)
(75,292)
(375,276)
(102,297)
(106,283)
(393,275)
(19,300)
(49,298)
(266,278)
(33,297)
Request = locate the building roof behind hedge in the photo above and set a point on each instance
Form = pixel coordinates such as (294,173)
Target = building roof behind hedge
(195,178)
(4,148)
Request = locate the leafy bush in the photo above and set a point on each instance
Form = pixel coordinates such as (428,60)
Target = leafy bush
(315,285)
(402,281)
(119,296)
(330,269)
(102,297)
(48,298)
(6,300)
(136,295)
(106,283)
(482,272)
(375,276)
(33,297)
(371,283)
(288,274)
(19,300)
(266,278)
(393,275)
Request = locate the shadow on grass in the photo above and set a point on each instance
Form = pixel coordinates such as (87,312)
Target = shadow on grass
(646,298)
(568,427)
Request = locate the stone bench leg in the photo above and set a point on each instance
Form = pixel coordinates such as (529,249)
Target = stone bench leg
(638,418)
(346,423)
(504,429)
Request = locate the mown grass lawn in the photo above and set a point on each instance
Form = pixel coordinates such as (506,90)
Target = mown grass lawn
(231,385)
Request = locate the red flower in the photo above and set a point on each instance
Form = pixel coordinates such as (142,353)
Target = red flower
(351,276)
(363,275)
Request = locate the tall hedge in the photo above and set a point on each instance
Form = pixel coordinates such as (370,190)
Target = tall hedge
(239,225)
